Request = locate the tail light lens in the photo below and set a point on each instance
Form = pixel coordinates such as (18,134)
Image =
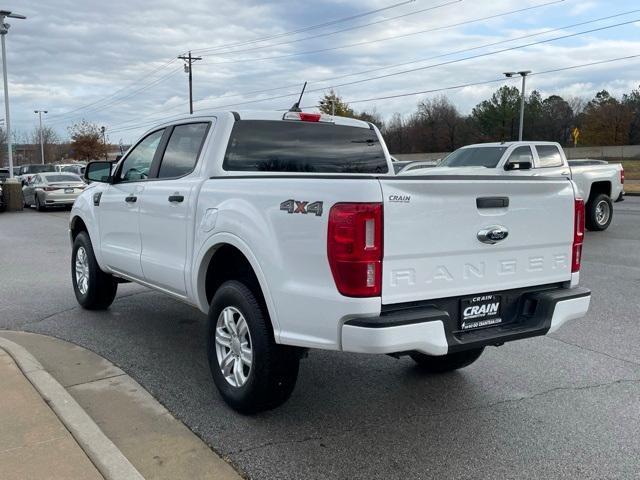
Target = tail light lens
(622,176)
(354,247)
(578,235)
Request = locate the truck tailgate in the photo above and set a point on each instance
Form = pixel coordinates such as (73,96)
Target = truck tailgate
(431,226)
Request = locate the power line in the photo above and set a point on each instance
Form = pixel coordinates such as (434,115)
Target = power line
(421,92)
(146,76)
(308,28)
(384,39)
(292,32)
(419,60)
(342,30)
(486,82)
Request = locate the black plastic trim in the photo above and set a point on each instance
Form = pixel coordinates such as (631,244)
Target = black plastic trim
(492,202)
(236,116)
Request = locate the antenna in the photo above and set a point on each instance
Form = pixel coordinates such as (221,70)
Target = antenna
(296,106)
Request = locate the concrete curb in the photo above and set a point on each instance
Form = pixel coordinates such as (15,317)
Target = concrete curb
(107,458)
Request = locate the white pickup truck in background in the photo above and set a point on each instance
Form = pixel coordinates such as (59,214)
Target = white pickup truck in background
(599,183)
(291,231)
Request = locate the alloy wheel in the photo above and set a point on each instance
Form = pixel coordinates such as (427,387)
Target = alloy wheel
(82,270)
(234,349)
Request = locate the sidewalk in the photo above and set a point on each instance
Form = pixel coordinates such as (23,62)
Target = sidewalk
(34,444)
(69,413)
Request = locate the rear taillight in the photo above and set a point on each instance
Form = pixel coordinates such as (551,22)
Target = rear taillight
(622,176)
(354,248)
(578,235)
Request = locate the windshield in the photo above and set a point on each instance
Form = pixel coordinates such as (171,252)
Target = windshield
(62,178)
(474,157)
(290,146)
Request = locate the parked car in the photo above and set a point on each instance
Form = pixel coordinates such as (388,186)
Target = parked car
(77,168)
(291,232)
(26,172)
(52,189)
(599,184)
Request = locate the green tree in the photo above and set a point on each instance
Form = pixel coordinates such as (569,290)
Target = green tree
(632,102)
(333,104)
(86,141)
(498,117)
(606,121)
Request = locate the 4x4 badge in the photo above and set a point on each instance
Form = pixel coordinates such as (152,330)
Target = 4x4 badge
(301,206)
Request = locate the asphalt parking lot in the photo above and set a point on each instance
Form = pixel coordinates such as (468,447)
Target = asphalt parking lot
(565,406)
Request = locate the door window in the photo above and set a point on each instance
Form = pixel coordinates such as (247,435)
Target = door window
(521,154)
(549,156)
(137,164)
(182,151)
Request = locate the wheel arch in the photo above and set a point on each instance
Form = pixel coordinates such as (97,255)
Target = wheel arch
(600,187)
(227,257)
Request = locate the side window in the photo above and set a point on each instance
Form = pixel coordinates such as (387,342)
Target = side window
(36,180)
(521,154)
(137,164)
(549,156)
(182,151)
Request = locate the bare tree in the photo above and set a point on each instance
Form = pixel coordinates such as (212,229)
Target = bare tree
(51,142)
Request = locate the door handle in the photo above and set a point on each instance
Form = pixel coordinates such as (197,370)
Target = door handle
(176,198)
(131,199)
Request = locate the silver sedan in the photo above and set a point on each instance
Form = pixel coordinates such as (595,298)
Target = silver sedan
(52,189)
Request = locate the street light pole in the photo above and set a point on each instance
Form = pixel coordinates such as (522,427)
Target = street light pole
(40,112)
(523,74)
(4,29)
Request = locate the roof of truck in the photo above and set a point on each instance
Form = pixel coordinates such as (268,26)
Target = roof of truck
(258,115)
(509,144)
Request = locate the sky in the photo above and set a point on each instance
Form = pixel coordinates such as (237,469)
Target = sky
(114,62)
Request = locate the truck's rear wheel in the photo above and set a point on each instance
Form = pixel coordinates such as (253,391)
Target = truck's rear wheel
(447,363)
(94,289)
(599,213)
(251,371)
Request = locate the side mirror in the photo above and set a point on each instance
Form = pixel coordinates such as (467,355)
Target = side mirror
(517,165)
(98,172)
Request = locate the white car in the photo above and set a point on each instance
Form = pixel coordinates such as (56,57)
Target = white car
(599,183)
(292,232)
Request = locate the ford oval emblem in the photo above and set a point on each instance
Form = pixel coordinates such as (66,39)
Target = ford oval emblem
(493,234)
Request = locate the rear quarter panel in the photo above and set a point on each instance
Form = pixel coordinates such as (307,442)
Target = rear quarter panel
(287,250)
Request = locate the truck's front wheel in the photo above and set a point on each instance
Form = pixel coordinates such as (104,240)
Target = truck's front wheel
(94,289)
(447,363)
(251,371)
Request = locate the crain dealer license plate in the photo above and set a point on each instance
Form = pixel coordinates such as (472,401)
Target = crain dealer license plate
(480,311)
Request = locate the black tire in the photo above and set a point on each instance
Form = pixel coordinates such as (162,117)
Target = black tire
(446,363)
(39,206)
(102,287)
(593,219)
(274,368)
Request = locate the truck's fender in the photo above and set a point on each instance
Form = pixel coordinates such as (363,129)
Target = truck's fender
(84,210)
(201,263)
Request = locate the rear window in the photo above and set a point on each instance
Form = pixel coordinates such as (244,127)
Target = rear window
(474,157)
(39,168)
(292,146)
(62,178)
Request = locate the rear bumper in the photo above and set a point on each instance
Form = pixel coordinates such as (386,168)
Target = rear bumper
(433,330)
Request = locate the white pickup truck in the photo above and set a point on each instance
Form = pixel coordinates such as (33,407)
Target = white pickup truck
(290,231)
(599,183)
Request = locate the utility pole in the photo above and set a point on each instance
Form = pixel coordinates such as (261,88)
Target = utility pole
(523,74)
(4,29)
(104,142)
(188,62)
(40,112)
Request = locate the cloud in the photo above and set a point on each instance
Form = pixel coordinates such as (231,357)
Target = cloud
(115,63)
